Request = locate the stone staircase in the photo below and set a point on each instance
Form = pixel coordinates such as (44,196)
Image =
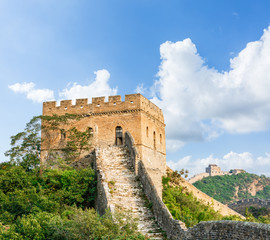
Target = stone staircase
(125,189)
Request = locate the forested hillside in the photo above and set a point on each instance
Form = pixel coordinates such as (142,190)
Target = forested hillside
(185,207)
(231,188)
(55,205)
(53,202)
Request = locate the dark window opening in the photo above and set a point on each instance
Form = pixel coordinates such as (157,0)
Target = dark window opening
(91,132)
(154,138)
(63,134)
(119,136)
(147,131)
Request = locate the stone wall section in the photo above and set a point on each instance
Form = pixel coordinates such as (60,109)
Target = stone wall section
(213,170)
(211,230)
(176,230)
(129,143)
(198,177)
(104,198)
(229,230)
(241,205)
(85,162)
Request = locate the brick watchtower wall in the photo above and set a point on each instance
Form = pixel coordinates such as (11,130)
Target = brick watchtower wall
(137,115)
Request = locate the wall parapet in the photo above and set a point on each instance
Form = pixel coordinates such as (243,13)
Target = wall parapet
(211,230)
(174,229)
(252,201)
(198,177)
(225,230)
(129,142)
(241,205)
(103,198)
(99,105)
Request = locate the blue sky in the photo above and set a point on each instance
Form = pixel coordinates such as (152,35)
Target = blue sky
(205,63)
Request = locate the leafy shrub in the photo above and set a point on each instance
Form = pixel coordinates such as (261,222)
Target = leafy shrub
(81,224)
(185,207)
(23,192)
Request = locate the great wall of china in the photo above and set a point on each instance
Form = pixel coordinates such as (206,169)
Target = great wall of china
(241,205)
(213,170)
(129,157)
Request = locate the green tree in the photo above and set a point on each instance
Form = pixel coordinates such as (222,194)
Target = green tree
(25,146)
(73,142)
(77,143)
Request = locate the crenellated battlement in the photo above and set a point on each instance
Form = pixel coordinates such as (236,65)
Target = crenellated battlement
(99,105)
(251,202)
(241,205)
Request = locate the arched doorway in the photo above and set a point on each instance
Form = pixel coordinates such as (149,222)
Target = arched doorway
(118,136)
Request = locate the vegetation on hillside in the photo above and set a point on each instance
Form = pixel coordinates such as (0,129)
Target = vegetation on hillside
(56,203)
(230,188)
(183,205)
(190,210)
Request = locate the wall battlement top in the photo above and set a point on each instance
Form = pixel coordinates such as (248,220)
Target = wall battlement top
(250,201)
(99,105)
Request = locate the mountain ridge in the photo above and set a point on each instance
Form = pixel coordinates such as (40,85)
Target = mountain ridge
(231,188)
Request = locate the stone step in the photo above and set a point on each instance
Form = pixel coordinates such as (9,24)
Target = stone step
(126,190)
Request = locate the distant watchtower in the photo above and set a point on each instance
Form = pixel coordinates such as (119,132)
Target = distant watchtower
(108,121)
(213,170)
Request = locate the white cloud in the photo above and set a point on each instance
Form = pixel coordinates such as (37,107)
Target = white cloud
(173,145)
(40,95)
(36,95)
(140,89)
(200,102)
(22,87)
(231,160)
(99,87)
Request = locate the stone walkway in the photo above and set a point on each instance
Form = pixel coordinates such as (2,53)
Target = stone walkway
(126,190)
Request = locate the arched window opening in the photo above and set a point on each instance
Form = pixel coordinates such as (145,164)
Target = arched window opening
(91,132)
(147,132)
(63,134)
(154,138)
(119,136)
(160,138)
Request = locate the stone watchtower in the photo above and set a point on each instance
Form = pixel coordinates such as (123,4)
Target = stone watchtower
(213,170)
(108,121)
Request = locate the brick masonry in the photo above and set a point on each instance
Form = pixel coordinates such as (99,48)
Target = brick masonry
(137,115)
